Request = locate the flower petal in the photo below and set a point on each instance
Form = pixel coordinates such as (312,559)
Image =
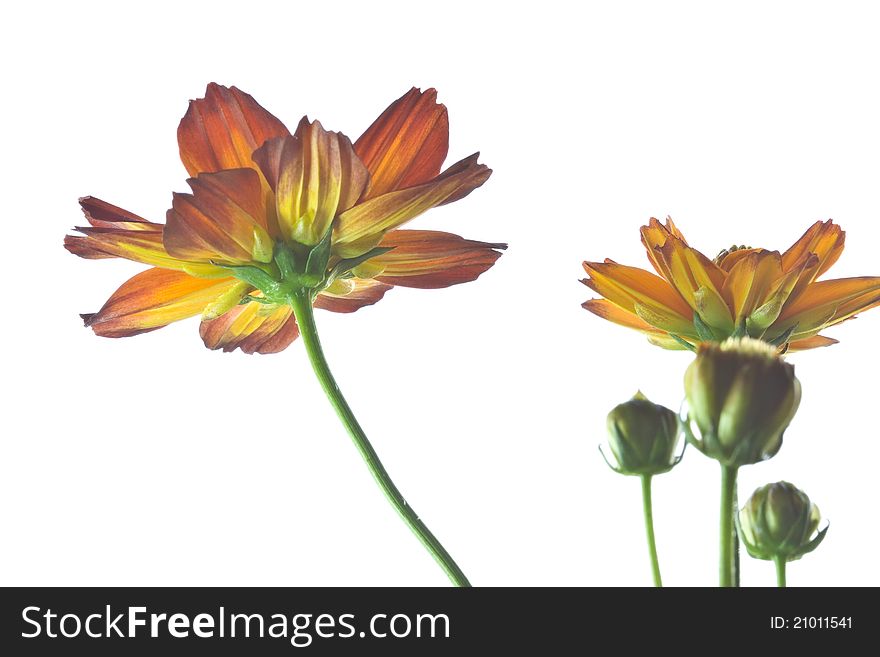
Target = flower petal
(614,313)
(361,228)
(697,279)
(432,259)
(810,343)
(407,144)
(654,236)
(101,214)
(825,239)
(750,281)
(351,294)
(223,219)
(153,299)
(117,233)
(315,175)
(252,327)
(627,286)
(223,129)
(829,302)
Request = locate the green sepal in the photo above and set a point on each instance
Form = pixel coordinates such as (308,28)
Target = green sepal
(251,275)
(285,260)
(347,264)
(704,331)
(684,343)
(780,340)
(740,331)
(608,463)
(319,256)
(812,545)
(248,298)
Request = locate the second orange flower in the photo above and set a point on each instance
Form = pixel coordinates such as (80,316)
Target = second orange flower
(743,291)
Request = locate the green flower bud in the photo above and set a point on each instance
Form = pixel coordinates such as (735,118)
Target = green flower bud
(741,397)
(643,437)
(779,521)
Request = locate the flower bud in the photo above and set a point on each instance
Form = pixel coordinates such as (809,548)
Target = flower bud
(643,437)
(779,521)
(741,397)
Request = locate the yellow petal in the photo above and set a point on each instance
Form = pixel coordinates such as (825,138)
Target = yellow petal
(825,239)
(361,228)
(253,327)
(830,302)
(351,294)
(810,343)
(628,286)
(153,299)
(315,175)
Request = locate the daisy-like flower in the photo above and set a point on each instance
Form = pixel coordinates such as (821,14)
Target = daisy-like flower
(772,296)
(278,224)
(272,211)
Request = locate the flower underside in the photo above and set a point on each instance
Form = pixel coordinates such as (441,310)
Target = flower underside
(744,291)
(274,213)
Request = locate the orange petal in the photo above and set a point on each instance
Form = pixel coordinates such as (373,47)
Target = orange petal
(362,227)
(359,292)
(223,129)
(433,259)
(697,279)
(407,144)
(153,299)
(728,259)
(315,175)
(830,302)
(751,280)
(614,313)
(101,214)
(607,310)
(223,219)
(625,286)
(825,239)
(654,236)
(252,327)
(117,233)
(811,343)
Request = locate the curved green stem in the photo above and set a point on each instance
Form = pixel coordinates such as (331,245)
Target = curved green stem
(647,507)
(780,572)
(726,536)
(305,317)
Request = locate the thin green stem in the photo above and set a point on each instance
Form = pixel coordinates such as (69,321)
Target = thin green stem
(647,507)
(735,538)
(726,537)
(780,572)
(305,317)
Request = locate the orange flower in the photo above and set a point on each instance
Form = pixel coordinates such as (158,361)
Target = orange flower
(743,291)
(263,198)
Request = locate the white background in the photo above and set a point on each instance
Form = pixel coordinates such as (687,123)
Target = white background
(153,461)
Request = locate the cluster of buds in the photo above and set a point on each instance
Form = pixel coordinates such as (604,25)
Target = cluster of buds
(741,397)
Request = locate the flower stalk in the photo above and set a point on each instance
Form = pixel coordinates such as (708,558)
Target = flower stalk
(727,536)
(780,572)
(647,506)
(301,302)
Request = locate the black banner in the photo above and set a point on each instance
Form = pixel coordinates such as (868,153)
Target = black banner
(341,621)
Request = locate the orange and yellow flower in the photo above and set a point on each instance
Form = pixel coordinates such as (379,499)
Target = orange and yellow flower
(256,187)
(764,294)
